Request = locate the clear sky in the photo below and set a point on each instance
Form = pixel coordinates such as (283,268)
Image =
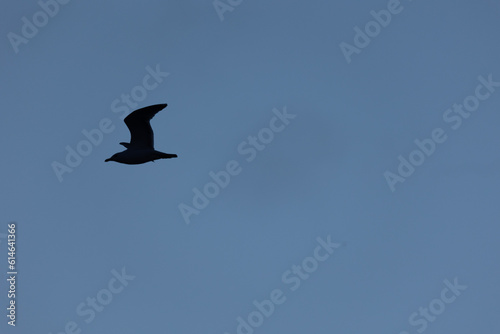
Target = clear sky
(338,169)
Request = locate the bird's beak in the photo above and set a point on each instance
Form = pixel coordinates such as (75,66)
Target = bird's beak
(107,160)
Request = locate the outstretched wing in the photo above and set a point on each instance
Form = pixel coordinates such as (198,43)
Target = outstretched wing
(141,133)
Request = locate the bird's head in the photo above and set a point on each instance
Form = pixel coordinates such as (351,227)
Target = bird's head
(113,158)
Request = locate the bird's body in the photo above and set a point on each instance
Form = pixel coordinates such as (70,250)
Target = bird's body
(133,156)
(141,147)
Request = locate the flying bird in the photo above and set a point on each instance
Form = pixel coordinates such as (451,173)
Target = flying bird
(141,147)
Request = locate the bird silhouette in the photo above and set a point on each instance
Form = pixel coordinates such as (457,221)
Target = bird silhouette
(141,147)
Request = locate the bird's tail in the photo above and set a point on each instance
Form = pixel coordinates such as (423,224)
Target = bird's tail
(161,155)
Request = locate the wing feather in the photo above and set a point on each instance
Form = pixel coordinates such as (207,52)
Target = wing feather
(141,133)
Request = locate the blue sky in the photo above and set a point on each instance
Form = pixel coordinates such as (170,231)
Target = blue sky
(105,248)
